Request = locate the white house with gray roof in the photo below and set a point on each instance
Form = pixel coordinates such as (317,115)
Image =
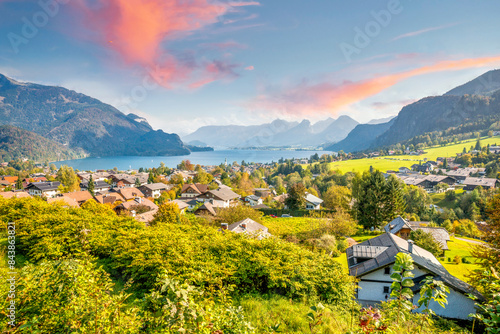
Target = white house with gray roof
(371,262)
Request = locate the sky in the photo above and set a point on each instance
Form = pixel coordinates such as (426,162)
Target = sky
(183,64)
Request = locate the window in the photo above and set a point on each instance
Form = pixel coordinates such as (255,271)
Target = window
(386,289)
(387,270)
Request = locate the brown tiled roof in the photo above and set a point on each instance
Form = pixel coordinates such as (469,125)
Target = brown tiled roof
(66,201)
(207,206)
(108,198)
(16,194)
(130,193)
(143,201)
(197,187)
(79,196)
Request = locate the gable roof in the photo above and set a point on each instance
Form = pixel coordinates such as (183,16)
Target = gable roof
(79,196)
(313,199)
(197,187)
(157,186)
(141,201)
(207,206)
(440,234)
(16,194)
(480,181)
(181,204)
(130,193)
(44,186)
(394,245)
(108,198)
(224,194)
(66,201)
(251,226)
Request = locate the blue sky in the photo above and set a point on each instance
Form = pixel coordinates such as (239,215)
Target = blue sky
(185,64)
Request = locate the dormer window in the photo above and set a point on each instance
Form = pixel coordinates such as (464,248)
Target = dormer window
(387,270)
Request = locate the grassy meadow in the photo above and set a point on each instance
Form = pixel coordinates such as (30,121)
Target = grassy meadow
(394,162)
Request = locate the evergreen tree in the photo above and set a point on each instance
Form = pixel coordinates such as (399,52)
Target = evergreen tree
(91,186)
(138,183)
(19,182)
(478,145)
(394,204)
(151,178)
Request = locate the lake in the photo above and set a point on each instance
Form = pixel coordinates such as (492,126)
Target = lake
(202,158)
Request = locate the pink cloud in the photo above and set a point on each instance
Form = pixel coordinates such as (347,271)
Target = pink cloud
(137,31)
(249,68)
(330,98)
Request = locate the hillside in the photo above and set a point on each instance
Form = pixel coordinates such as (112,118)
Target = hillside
(81,122)
(16,143)
(279,133)
(361,137)
(485,84)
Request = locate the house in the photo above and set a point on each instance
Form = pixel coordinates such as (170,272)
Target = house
(247,226)
(404,170)
(412,179)
(79,196)
(253,200)
(43,189)
(181,204)
(494,149)
(472,183)
(99,186)
(461,174)
(127,181)
(424,168)
(129,194)
(432,180)
(222,197)
(154,190)
(14,194)
(109,198)
(132,206)
(29,180)
(371,262)
(402,228)
(205,210)
(190,202)
(192,190)
(65,201)
(313,202)
(262,192)
(10,179)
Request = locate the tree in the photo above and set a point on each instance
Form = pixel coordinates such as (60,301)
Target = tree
(168,213)
(377,199)
(237,213)
(137,182)
(394,204)
(19,182)
(68,178)
(91,186)
(478,145)
(426,241)
(296,197)
(417,200)
(151,178)
(337,197)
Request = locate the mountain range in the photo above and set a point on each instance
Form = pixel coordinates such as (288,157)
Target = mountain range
(279,133)
(81,123)
(472,106)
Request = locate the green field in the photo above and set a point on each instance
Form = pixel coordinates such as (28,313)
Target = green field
(394,162)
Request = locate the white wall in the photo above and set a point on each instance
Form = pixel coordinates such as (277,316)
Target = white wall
(459,306)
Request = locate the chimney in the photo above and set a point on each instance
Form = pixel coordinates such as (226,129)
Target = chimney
(410,246)
(243,225)
(224,226)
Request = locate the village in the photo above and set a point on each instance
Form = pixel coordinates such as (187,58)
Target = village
(139,194)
